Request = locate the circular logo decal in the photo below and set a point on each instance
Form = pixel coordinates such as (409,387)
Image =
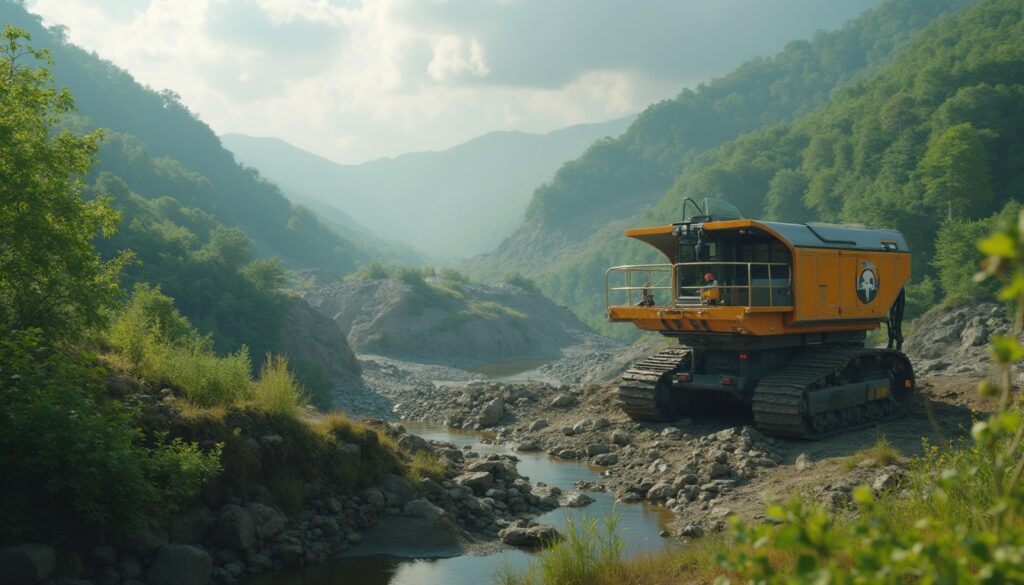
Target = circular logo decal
(867,284)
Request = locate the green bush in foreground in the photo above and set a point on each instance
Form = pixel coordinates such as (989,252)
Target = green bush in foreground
(586,553)
(276,390)
(72,461)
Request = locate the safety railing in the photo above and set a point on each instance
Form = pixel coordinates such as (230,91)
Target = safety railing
(701,284)
(651,278)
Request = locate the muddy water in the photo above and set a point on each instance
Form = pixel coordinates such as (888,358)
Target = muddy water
(640,525)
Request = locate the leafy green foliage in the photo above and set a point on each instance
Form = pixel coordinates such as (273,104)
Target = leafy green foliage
(88,466)
(517,279)
(50,275)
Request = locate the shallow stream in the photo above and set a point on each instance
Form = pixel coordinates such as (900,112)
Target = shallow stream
(640,526)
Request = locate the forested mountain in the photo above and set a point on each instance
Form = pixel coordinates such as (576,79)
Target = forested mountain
(687,146)
(450,204)
(193,218)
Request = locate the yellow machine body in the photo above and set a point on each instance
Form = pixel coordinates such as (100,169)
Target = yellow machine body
(827,279)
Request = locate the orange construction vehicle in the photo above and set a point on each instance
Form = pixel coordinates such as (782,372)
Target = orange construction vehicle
(768,314)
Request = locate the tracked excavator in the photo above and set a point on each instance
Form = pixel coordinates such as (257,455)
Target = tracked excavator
(769,315)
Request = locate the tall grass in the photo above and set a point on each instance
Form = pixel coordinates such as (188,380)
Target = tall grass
(276,390)
(586,555)
(203,377)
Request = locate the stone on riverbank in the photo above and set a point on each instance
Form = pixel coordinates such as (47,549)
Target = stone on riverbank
(26,564)
(180,564)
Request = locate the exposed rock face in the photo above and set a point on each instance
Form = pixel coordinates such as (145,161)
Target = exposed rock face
(312,340)
(954,340)
(180,564)
(492,412)
(394,318)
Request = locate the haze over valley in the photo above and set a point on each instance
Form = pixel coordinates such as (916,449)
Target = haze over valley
(312,291)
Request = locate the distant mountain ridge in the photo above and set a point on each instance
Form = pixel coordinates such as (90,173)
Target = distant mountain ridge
(450,204)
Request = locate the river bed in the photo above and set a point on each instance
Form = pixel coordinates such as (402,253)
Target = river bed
(639,524)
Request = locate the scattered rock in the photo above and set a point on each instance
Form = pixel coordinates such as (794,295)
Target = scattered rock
(267,521)
(563,401)
(717,469)
(413,443)
(621,438)
(598,449)
(528,446)
(537,425)
(606,459)
(661,491)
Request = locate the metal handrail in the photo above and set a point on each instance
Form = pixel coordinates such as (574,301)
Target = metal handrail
(697,299)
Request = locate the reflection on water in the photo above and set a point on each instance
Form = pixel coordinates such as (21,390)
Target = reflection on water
(640,526)
(515,371)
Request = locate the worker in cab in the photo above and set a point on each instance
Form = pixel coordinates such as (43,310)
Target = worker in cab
(646,297)
(710,294)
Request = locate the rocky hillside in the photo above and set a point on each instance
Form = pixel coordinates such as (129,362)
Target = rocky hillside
(954,339)
(455,324)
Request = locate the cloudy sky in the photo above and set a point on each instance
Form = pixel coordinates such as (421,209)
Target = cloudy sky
(356,80)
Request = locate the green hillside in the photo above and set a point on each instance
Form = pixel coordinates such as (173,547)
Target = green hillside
(765,171)
(619,178)
(194,219)
(450,204)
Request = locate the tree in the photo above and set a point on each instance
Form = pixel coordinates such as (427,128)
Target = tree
(955,173)
(51,276)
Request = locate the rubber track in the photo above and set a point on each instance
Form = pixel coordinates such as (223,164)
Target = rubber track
(637,390)
(779,400)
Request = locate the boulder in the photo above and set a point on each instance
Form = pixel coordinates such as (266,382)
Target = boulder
(478,481)
(492,412)
(234,528)
(532,537)
(268,521)
(26,564)
(103,556)
(180,564)
(576,500)
(803,462)
(661,491)
(606,459)
(717,469)
(144,541)
(563,401)
(422,508)
(528,446)
(621,438)
(399,486)
(537,425)
(582,426)
(598,449)
(413,443)
(190,527)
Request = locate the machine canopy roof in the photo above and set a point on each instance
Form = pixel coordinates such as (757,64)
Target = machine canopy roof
(811,235)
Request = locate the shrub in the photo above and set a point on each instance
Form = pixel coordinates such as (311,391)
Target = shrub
(516,279)
(371,271)
(88,467)
(276,390)
(180,470)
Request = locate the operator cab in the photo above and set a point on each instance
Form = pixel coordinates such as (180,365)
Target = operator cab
(743,266)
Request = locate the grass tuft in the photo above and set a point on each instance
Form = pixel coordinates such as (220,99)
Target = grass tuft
(276,391)
(881,454)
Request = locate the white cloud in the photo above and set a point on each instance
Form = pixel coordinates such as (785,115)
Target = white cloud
(358,80)
(455,57)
